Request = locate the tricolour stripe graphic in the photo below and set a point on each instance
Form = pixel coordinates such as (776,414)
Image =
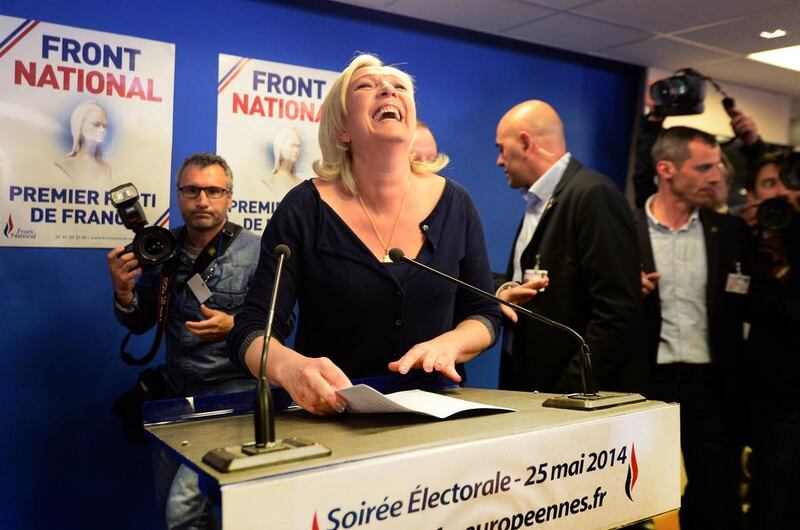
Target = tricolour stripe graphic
(231,75)
(17,35)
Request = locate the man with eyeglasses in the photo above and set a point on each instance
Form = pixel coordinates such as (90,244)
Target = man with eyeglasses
(211,273)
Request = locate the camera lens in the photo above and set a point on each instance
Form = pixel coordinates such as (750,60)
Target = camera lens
(667,90)
(790,172)
(775,214)
(154,245)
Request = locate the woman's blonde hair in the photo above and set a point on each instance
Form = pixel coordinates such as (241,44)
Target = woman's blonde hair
(336,155)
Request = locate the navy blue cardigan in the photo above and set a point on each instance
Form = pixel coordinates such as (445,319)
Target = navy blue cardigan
(359,312)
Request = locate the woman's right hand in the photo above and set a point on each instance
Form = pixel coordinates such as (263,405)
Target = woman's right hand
(310,381)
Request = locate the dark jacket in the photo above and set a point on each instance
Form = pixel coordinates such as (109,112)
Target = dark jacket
(586,241)
(728,242)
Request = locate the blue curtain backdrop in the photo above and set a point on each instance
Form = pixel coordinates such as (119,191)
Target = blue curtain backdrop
(65,463)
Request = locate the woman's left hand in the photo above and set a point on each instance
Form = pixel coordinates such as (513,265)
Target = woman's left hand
(431,355)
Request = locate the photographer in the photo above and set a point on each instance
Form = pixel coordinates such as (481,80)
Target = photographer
(774,343)
(212,269)
(750,145)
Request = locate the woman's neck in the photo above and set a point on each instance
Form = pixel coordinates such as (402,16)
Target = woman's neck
(382,177)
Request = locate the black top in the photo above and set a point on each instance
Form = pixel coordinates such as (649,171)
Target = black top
(360,313)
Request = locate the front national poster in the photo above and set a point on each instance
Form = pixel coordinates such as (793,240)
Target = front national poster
(82,112)
(267,124)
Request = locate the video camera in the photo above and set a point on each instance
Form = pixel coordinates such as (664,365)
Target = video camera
(152,245)
(684,93)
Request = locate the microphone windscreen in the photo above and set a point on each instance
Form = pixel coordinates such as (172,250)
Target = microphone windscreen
(396,254)
(283,250)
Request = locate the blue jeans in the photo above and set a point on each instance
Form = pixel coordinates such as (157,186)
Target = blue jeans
(178,495)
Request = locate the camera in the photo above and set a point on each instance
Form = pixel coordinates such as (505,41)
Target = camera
(775,214)
(152,245)
(679,95)
(790,171)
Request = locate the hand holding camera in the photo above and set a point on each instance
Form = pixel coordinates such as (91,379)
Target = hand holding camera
(124,269)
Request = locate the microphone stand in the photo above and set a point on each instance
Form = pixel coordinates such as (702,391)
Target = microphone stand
(590,398)
(265,450)
(264,414)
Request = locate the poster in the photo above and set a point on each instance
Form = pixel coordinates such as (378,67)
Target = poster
(82,112)
(267,121)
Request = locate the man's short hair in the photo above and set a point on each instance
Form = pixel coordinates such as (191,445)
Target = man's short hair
(776,157)
(203,160)
(673,144)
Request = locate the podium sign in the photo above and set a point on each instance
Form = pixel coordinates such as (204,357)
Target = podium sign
(538,467)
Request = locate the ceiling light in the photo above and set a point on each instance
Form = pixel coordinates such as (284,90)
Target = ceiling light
(788,57)
(772,34)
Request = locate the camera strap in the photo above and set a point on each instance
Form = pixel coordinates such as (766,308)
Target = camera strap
(215,248)
(210,253)
(164,295)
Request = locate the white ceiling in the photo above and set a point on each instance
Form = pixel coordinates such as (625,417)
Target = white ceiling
(712,36)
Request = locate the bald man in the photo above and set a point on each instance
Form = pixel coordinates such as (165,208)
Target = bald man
(424,146)
(578,227)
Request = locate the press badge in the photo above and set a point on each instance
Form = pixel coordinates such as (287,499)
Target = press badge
(737,283)
(199,288)
(535,273)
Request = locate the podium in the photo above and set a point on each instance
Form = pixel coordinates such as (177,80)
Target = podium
(537,467)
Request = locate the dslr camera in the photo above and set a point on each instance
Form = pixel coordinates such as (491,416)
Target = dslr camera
(152,245)
(776,214)
(679,95)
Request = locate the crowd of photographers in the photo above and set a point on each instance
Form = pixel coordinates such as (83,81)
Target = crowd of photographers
(760,392)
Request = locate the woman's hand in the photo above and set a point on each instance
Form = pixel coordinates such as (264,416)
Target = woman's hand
(435,354)
(311,382)
(442,353)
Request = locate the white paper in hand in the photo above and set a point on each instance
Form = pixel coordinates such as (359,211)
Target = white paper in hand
(363,399)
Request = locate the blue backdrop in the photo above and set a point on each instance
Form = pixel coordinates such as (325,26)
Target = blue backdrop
(65,463)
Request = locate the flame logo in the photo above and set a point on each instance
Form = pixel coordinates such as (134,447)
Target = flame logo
(314,523)
(9,226)
(633,473)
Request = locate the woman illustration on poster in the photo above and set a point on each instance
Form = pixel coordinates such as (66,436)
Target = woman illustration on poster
(286,150)
(84,165)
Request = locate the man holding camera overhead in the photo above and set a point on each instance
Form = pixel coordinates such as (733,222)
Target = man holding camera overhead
(212,269)
(682,95)
(695,266)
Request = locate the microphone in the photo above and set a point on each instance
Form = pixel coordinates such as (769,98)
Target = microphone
(265,450)
(264,413)
(590,398)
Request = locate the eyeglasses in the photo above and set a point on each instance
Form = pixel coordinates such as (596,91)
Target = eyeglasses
(212,192)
